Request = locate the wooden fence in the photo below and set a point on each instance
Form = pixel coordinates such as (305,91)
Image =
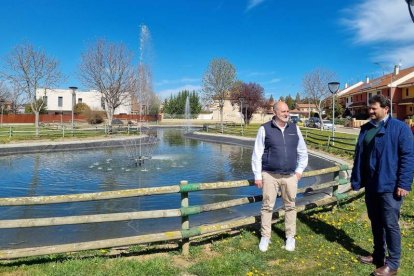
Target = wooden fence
(326,141)
(338,143)
(67,118)
(182,235)
(58,130)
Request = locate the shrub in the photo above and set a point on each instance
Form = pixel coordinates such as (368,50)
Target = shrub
(81,108)
(94,117)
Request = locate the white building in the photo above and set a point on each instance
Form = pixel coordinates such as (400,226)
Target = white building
(60,100)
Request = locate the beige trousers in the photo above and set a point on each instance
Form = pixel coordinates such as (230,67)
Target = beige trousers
(288,185)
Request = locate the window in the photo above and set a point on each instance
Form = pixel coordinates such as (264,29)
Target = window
(79,100)
(369,95)
(378,92)
(60,101)
(406,92)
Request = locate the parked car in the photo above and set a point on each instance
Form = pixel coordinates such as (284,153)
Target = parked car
(117,122)
(314,122)
(295,120)
(327,125)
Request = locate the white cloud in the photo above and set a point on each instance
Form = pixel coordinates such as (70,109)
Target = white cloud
(386,25)
(253,3)
(182,80)
(380,20)
(163,94)
(403,54)
(255,74)
(275,80)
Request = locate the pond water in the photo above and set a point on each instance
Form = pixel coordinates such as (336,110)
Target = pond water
(175,158)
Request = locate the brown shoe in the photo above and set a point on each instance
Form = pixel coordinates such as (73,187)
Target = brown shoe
(385,271)
(366,259)
(370,260)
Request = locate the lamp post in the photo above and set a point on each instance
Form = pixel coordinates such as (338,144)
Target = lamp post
(73,88)
(241,99)
(2,110)
(333,88)
(410,3)
(245,113)
(391,80)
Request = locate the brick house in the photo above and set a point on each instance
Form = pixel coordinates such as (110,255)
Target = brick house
(397,85)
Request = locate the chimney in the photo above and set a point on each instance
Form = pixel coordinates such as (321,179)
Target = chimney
(396,70)
(346,85)
(367,79)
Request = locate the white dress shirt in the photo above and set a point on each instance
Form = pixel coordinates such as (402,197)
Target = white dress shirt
(259,147)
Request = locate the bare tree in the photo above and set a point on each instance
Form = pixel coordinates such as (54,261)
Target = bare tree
(27,69)
(217,82)
(144,92)
(315,85)
(18,99)
(4,91)
(106,67)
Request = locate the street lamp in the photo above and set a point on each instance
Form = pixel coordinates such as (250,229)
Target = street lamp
(73,88)
(241,99)
(410,3)
(391,80)
(333,88)
(2,110)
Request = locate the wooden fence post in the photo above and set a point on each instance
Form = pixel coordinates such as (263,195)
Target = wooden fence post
(63,131)
(335,188)
(185,223)
(329,140)
(10,133)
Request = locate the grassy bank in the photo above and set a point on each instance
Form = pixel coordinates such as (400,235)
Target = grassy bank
(328,242)
(315,138)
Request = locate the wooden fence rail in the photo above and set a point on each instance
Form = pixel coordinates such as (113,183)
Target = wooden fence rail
(330,142)
(184,212)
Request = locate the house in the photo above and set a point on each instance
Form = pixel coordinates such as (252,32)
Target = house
(398,86)
(406,102)
(60,101)
(304,110)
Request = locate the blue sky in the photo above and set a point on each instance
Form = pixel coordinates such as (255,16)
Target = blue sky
(271,42)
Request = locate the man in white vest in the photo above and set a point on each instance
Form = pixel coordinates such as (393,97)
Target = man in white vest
(279,158)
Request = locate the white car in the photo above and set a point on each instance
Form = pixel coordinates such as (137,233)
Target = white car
(327,125)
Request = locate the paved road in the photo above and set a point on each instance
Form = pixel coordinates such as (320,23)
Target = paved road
(348,130)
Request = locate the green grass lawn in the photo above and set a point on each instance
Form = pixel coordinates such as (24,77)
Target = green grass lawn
(344,145)
(329,239)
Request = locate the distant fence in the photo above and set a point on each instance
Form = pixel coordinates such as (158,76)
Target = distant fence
(66,118)
(329,141)
(321,139)
(185,212)
(53,130)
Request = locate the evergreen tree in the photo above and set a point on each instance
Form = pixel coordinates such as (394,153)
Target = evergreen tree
(176,104)
(297,99)
(290,102)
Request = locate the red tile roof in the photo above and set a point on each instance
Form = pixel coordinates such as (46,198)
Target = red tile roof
(385,80)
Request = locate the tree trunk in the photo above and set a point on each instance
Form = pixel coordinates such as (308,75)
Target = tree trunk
(110,115)
(37,123)
(221,119)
